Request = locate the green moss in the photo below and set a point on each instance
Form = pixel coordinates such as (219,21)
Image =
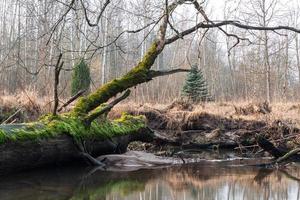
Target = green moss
(137,75)
(73,126)
(2,137)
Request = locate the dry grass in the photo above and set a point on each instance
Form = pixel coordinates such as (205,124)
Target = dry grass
(27,102)
(288,112)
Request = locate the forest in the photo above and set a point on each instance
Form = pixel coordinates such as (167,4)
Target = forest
(98,98)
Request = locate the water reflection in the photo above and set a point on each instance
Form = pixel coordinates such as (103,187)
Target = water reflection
(182,182)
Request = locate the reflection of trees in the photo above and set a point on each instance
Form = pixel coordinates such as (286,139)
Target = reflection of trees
(193,182)
(70,184)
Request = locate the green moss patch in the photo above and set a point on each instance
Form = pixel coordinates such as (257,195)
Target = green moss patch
(49,127)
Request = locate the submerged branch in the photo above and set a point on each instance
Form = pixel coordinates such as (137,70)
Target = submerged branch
(288,155)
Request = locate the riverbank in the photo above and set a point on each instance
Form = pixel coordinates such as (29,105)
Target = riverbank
(184,127)
(217,126)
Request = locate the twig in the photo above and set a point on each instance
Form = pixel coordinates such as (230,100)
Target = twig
(73,98)
(12,116)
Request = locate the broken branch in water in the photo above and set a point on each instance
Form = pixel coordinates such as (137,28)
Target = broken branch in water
(267,146)
(288,155)
(280,155)
(93,161)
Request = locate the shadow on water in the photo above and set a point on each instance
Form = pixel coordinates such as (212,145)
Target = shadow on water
(190,181)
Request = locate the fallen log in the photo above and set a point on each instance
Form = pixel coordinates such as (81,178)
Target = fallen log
(280,155)
(267,146)
(28,146)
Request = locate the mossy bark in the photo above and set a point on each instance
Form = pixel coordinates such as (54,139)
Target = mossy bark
(139,74)
(27,146)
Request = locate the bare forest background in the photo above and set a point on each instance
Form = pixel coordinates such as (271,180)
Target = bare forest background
(264,65)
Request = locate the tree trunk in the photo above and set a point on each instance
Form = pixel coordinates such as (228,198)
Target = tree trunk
(297,56)
(61,149)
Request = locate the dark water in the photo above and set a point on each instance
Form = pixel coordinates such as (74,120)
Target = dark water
(193,181)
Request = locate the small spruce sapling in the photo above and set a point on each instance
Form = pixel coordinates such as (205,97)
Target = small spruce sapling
(195,87)
(81,78)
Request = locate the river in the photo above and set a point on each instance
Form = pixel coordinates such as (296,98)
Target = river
(214,181)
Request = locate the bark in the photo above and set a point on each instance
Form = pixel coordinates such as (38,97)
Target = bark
(61,149)
(297,55)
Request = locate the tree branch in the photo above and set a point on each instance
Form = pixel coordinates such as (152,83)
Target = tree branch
(70,6)
(161,39)
(154,74)
(225,23)
(288,155)
(100,110)
(142,72)
(58,68)
(73,98)
(99,16)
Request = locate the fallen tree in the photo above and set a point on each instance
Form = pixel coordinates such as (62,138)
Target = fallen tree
(84,132)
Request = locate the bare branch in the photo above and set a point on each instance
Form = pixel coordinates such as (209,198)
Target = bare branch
(99,16)
(73,98)
(164,25)
(154,73)
(58,68)
(232,23)
(11,117)
(70,6)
